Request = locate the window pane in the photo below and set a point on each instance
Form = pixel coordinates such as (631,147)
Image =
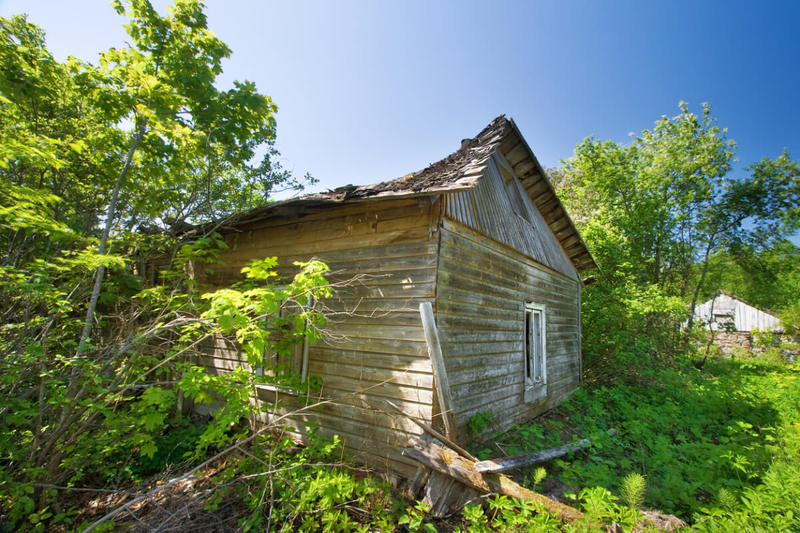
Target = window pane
(528,345)
(537,345)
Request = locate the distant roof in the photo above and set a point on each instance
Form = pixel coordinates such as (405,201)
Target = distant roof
(731,295)
(459,171)
(742,315)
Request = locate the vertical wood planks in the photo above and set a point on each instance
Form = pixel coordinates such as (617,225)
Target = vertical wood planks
(442,384)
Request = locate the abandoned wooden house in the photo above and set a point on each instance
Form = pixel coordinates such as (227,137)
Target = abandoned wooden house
(733,321)
(481,241)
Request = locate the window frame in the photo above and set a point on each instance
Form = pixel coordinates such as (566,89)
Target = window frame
(298,362)
(534,355)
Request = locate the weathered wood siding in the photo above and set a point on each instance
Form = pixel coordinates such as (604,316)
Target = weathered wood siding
(377,348)
(501,209)
(482,289)
(743,316)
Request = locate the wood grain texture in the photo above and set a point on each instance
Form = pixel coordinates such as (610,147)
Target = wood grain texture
(375,348)
(504,212)
(432,454)
(474,258)
(439,370)
(482,288)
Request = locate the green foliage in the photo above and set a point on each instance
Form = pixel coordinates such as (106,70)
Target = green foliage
(144,142)
(632,490)
(768,278)
(508,514)
(718,448)
(667,224)
(537,477)
(657,214)
(478,422)
(627,325)
(306,489)
(173,447)
(249,315)
(661,201)
(414,519)
(601,507)
(147,143)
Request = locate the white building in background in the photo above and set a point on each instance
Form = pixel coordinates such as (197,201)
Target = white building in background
(725,312)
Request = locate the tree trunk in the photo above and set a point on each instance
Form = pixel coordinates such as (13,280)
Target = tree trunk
(101,249)
(702,278)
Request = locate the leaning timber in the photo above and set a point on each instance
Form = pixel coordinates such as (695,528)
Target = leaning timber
(457,473)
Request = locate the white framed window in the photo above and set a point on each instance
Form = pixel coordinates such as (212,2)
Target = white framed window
(535,352)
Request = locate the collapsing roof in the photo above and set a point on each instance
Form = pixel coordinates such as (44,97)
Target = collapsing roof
(459,171)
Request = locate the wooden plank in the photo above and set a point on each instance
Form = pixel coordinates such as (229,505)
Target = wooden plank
(410,290)
(498,324)
(437,494)
(321,246)
(334,386)
(371,318)
(519,461)
(455,269)
(537,188)
(431,431)
(380,260)
(490,386)
(459,300)
(420,364)
(347,330)
(369,374)
(439,369)
(328,210)
(459,230)
(507,408)
(369,255)
(514,292)
(357,422)
(370,345)
(517,154)
(478,255)
(272,242)
(337,217)
(434,455)
(493,373)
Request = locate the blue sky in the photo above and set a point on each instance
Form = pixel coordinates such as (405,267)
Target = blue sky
(373,90)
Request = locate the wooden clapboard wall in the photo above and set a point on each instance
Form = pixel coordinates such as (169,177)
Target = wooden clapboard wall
(744,317)
(500,208)
(493,257)
(478,256)
(377,348)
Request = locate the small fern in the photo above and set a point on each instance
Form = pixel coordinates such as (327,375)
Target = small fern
(727,500)
(632,490)
(538,475)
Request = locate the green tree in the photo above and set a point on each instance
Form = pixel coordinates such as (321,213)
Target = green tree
(766,277)
(103,168)
(666,198)
(656,211)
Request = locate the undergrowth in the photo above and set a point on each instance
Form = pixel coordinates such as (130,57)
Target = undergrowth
(718,448)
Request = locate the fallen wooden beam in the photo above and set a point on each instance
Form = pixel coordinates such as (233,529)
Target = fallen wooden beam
(434,455)
(518,461)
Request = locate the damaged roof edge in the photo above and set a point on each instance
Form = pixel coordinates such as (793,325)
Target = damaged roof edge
(582,259)
(459,171)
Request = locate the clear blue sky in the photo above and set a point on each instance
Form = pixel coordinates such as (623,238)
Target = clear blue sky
(373,90)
